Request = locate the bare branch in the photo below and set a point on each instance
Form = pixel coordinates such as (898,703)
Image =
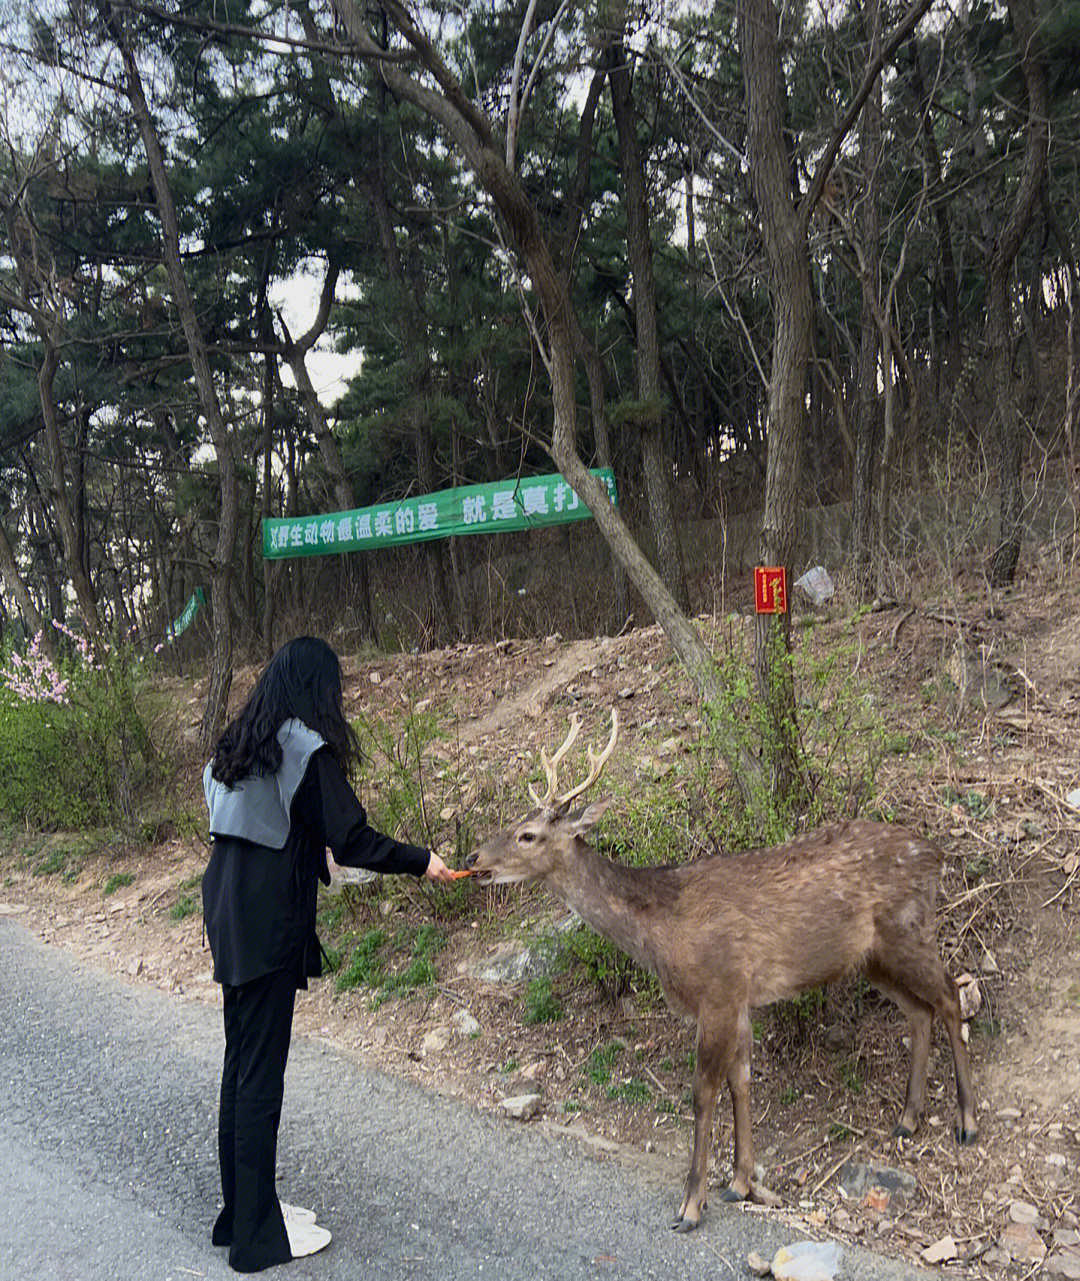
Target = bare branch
(900,33)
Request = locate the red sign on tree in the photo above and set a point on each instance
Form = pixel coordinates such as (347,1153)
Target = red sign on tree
(770,589)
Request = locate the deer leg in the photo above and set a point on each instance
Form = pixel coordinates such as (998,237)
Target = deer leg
(924,992)
(738,1079)
(921,1020)
(940,994)
(920,1017)
(715,1049)
(967,1128)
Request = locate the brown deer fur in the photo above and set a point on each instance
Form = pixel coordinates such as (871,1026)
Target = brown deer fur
(727,934)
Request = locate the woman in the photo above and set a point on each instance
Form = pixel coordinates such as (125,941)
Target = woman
(278,793)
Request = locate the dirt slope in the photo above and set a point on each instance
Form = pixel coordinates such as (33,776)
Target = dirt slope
(985,762)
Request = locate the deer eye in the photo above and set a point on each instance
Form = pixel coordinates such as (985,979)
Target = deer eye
(527,836)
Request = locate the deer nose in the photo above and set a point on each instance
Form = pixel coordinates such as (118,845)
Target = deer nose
(470,859)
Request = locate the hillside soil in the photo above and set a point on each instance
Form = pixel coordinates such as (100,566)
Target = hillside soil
(981,717)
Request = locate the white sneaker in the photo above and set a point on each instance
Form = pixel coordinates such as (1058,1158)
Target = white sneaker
(296,1213)
(306,1238)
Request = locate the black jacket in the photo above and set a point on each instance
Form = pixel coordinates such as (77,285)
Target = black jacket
(259,903)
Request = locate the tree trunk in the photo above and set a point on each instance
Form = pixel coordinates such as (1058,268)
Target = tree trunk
(359,592)
(999,320)
(584,348)
(655,446)
(84,593)
(417,360)
(864,553)
(222,565)
(787,247)
(941,217)
(272,569)
(13,580)
(47,325)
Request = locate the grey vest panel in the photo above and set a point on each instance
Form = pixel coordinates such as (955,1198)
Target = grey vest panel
(257,809)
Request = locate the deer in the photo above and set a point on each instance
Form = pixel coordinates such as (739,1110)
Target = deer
(729,933)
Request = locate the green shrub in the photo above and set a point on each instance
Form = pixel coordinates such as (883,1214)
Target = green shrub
(396,757)
(833,744)
(75,752)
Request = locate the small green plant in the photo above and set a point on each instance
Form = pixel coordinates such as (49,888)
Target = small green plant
(54,862)
(424,945)
(510,1066)
(365,965)
(370,963)
(118,881)
(978,805)
(186,905)
(630,1091)
(976,869)
(600,1062)
(667,1107)
(851,1076)
(541,1004)
(789,1095)
(805,1009)
(837,1132)
(605,966)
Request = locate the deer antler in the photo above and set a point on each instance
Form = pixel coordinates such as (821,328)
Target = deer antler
(596,763)
(551,763)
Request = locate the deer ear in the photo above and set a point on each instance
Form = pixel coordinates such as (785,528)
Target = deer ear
(585,820)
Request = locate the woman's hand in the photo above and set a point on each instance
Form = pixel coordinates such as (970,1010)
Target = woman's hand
(438,871)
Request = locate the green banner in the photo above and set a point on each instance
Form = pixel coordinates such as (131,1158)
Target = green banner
(197,599)
(519,503)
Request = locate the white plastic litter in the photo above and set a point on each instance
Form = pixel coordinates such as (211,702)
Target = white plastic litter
(817,584)
(807,1261)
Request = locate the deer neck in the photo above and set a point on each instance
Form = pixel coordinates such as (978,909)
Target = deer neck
(612,899)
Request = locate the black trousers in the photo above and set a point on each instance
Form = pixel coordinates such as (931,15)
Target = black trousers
(258,1027)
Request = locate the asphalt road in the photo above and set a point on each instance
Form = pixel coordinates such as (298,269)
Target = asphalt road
(108,1098)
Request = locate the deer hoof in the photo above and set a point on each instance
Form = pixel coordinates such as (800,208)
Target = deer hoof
(902,1132)
(729,1195)
(683,1225)
(966,1137)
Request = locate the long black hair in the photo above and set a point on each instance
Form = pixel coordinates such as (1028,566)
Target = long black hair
(302,680)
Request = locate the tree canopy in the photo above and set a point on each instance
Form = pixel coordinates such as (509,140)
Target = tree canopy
(752,261)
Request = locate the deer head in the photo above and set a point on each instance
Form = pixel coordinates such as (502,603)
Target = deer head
(532,848)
